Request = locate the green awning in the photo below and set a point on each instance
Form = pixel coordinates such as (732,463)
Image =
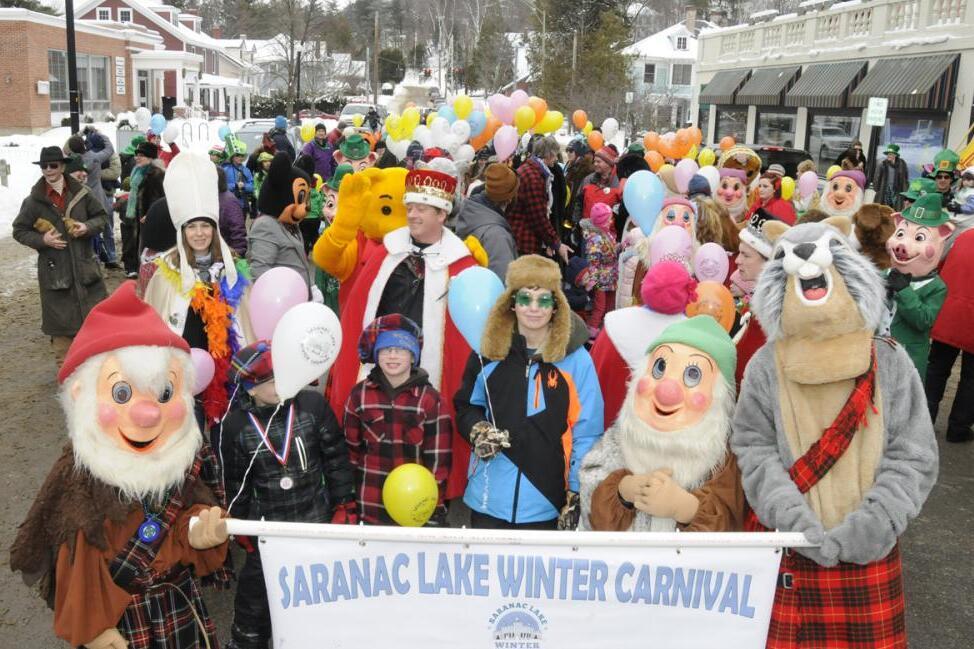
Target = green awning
(826,85)
(767,86)
(724,86)
(925,82)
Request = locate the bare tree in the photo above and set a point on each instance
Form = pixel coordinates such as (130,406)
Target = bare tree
(298,19)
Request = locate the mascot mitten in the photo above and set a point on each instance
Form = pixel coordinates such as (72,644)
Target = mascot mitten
(108,539)
(664,464)
(833,440)
(843,194)
(872,225)
(914,288)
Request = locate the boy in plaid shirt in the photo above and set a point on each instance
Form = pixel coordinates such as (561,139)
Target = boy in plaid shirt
(282,461)
(395,416)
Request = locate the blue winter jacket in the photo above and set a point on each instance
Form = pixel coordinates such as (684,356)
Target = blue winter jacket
(499,487)
(232,172)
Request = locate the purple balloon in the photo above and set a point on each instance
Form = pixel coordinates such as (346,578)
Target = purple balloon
(807,184)
(710,264)
(505,141)
(685,170)
(501,107)
(203,369)
(273,294)
(519,98)
(672,243)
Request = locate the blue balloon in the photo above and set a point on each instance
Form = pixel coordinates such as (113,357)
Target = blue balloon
(224,132)
(157,123)
(643,197)
(471,297)
(478,122)
(447,113)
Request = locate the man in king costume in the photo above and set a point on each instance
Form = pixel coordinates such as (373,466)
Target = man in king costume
(108,539)
(833,439)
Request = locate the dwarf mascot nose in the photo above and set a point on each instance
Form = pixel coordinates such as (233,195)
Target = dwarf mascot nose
(145,413)
(805,250)
(668,393)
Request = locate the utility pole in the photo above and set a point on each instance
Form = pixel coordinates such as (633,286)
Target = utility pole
(300,49)
(571,88)
(74,96)
(375,63)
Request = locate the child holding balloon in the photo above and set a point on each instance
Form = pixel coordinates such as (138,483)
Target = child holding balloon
(394,416)
(602,253)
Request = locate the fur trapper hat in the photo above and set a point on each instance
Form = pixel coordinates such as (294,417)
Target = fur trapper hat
(529,271)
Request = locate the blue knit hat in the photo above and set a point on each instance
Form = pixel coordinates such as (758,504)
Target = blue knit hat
(393,330)
(280,122)
(397,338)
(698,185)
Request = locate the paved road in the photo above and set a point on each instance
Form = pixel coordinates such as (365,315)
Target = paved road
(937,547)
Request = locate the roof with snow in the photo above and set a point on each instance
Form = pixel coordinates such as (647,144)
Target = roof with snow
(662,45)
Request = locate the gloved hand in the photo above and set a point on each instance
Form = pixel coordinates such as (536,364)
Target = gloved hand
(108,639)
(487,440)
(438,519)
(209,531)
(896,281)
(568,518)
(953,206)
(345,514)
(316,295)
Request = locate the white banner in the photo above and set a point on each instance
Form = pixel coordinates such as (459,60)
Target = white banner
(331,586)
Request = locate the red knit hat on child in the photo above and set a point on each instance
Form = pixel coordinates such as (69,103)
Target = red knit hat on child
(601,216)
(668,288)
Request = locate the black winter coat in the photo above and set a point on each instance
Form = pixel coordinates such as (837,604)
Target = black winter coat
(70,279)
(317,470)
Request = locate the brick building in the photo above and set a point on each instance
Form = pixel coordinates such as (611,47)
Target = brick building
(33,68)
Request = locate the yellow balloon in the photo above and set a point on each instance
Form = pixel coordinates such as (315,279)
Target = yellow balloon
(410,119)
(550,123)
(787,188)
(665,168)
(524,119)
(392,124)
(706,157)
(834,169)
(463,106)
(429,118)
(587,128)
(692,153)
(307,132)
(357,119)
(410,495)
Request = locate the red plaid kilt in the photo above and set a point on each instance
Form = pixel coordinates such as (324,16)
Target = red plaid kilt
(161,617)
(847,606)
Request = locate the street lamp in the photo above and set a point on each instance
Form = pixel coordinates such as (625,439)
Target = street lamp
(298,50)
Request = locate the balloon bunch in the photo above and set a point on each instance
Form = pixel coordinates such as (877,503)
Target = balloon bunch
(683,143)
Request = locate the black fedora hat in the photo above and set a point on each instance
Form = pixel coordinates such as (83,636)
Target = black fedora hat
(51,154)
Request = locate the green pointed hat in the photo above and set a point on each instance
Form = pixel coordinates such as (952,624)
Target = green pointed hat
(355,147)
(133,145)
(702,332)
(341,171)
(919,187)
(946,160)
(928,210)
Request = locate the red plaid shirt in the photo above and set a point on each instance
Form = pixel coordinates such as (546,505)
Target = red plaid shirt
(528,215)
(385,428)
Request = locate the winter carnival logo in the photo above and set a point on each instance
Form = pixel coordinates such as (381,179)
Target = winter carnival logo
(517,625)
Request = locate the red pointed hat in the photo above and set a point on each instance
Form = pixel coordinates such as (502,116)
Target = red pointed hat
(120,320)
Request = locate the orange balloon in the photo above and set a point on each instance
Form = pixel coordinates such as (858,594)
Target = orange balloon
(579,118)
(481,140)
(667,146)
(696,135)
(715,300)
(651,141)
(595,140)
(654,160)
(681,143)
(539,106)
(726,142)
(492,125)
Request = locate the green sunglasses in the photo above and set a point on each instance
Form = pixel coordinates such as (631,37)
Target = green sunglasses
(546,301)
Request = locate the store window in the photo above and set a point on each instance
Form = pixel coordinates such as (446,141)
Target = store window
(703,121)
(681,74)
(776,129)
(93,79)
(733,122)
(919,138)
(649,73)
(829,136)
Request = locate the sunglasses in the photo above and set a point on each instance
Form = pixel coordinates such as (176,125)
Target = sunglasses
(944,176)
(546,301)
(50,165)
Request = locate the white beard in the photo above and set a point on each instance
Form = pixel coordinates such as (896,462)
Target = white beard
(693,454)
(848,212)
(136,475)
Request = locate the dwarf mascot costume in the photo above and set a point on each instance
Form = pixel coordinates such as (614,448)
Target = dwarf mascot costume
(445,352)
(108,538)
(670,441)
(843,193)
(833,439)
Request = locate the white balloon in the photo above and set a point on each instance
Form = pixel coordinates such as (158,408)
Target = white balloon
(525,140)
(171,133)
(142,117)
(609,128)
(424,136)
(440,126)
(306,342)
(461,128)
(713,178)
(464,154)
(397,147)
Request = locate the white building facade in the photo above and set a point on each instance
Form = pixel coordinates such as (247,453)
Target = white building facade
(805,80)
(663,73)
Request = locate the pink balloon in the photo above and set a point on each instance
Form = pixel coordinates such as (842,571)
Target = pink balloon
(273,293)
(672,243)
(502,108)
(685,170)
(519,98)
(505,141)
(203,368)
(807,183)
(710,264)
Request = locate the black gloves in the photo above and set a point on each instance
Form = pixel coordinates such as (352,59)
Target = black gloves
(897,281)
